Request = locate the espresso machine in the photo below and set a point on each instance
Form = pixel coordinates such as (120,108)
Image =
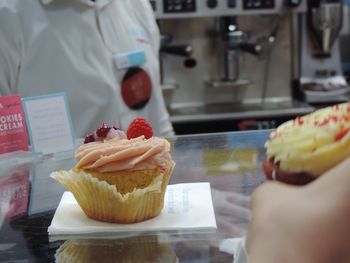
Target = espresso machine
(228,61)
(321,79)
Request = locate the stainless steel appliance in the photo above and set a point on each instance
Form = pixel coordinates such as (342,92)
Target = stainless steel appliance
(321,79)
(228,61)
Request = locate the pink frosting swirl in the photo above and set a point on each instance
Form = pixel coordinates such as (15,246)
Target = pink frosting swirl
(123,154)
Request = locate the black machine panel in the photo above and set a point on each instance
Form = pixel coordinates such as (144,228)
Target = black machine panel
(231,3)
(258,4)
(153,3)
(179,6)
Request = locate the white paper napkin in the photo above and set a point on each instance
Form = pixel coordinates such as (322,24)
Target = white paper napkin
(187,207)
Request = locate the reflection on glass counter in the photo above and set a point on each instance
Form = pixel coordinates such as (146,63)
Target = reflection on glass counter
(148,249)
(230,162)
(14,193)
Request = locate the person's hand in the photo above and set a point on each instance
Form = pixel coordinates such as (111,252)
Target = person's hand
(302,224)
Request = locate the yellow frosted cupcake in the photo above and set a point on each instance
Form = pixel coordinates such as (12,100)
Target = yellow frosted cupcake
(301,150)
(119,179)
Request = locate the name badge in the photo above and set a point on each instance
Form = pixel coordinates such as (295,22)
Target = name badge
(130,59)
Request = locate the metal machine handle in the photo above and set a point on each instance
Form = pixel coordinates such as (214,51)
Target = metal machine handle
(177,50)
(251,48)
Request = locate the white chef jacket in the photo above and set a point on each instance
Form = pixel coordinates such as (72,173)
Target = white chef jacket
(51,46)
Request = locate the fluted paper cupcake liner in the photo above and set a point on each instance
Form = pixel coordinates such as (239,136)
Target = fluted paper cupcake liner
(102,201)
(126,181)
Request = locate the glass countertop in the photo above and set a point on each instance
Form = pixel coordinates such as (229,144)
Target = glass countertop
(230,161)
(229,111)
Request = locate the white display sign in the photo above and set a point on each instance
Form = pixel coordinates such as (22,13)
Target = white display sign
(49,123)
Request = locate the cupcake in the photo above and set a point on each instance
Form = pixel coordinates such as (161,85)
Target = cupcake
(301,150)
(120,177)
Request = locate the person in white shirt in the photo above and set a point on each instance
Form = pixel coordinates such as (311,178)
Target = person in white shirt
(102,54)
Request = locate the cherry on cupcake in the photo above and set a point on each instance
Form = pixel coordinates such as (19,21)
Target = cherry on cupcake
(89,138)
(103,130)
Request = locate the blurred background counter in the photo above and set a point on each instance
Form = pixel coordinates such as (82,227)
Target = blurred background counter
(240,65)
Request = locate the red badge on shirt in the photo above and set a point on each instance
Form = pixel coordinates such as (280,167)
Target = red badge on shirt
(13,131)
(136,88)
